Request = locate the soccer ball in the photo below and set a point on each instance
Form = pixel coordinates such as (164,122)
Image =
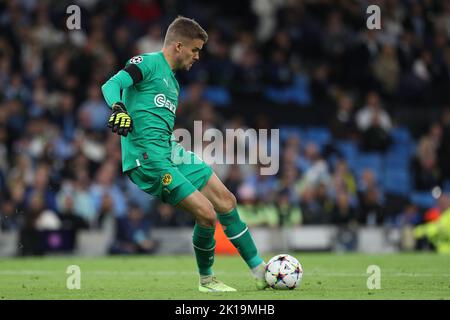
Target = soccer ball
(283,272)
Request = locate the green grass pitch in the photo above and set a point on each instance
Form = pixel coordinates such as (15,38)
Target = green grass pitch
(326,276)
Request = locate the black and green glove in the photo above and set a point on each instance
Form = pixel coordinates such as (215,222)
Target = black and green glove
(120,121)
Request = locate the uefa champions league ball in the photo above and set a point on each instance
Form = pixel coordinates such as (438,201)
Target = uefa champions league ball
(283,272)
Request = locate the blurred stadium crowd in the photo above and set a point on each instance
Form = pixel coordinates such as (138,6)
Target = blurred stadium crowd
(60,166)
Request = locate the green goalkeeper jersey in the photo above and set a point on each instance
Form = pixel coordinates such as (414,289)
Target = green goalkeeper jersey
(151,101)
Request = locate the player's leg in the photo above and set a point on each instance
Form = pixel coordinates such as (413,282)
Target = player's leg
(203,240)
(169,185)
(203,237)
(224,203)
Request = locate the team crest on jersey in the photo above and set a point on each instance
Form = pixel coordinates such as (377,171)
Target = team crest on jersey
(167,179)
(136,60)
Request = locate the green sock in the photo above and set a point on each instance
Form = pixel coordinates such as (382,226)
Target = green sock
(204,245)
(239,235)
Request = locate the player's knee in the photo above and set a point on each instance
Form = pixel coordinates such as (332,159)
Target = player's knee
(207,216)
(227,202)
(207,222)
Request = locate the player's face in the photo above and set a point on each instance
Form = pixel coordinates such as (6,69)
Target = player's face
(190,53)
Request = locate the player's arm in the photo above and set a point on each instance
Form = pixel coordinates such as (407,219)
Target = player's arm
(136,69)
(120,121)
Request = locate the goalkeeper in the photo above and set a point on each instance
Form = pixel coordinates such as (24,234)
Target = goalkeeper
(144,116)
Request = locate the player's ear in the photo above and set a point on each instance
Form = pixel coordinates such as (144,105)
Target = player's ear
(178,46)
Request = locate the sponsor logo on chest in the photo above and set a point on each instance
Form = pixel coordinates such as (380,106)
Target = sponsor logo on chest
(162,101)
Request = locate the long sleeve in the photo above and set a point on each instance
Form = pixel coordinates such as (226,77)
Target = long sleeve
(112,88)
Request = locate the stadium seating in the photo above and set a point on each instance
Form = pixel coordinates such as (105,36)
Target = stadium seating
(423,199)
(318,135)
(217,95)
(397,159)
(288,131)
(396,181)
(298,93)
(369,160)
(401,135)
(348,150)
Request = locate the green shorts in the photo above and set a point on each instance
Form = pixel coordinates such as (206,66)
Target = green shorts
(169,172)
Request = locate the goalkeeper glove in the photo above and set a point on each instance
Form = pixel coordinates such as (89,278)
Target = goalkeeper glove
(120,121)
